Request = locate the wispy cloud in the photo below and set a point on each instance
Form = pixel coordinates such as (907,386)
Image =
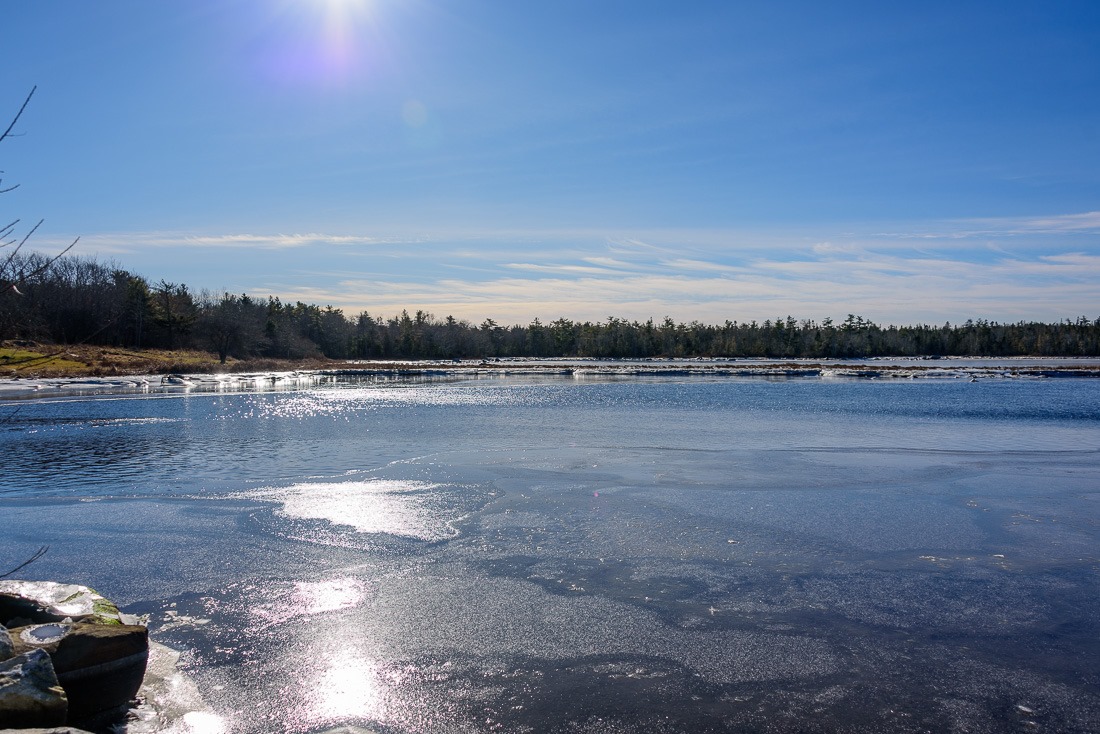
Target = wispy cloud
(617,245)
(894,291)
(942,271)
(630,246)
(558,269)
(700,266)
(128,242)
(1084,222)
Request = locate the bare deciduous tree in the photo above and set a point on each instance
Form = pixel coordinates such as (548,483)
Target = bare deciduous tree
(14,269)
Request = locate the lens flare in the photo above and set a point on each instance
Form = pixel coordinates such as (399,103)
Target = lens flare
(321,41)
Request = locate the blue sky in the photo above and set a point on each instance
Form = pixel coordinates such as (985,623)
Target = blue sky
(908,162)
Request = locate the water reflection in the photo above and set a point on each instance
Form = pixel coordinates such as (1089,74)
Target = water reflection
(202,722)
(337,676)
(316,597)
(349,686)
(401,508)
(308,598)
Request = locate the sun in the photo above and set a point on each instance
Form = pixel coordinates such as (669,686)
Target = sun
(346,13)
(350,10)
(323,41)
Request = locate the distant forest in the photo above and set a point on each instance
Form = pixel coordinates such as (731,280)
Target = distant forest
(78,300)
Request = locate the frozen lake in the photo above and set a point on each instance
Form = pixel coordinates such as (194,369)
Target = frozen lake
(554,554)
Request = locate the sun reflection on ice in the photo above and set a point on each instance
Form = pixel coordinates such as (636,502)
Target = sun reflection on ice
(338,680)
(349,687)
(377,506)
(202,722)
(310,598)
(317,597)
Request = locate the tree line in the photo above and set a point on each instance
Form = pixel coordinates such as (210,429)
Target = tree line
(66,299)
(75,299)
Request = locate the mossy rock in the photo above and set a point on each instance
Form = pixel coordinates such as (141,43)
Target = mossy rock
(38,602)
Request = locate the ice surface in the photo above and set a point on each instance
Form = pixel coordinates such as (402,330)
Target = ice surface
(584,556)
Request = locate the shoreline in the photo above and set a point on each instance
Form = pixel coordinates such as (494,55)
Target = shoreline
(289,376)
(24,361)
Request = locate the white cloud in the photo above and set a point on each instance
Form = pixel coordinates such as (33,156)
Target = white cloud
(949,272)
(558,269)
(894,291)
(128,242)
(1086,221)
(1076,259)
(609,262)
(701,266)
(1083,223)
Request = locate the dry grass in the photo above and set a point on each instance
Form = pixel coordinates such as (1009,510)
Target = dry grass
(19,362)
(42,360)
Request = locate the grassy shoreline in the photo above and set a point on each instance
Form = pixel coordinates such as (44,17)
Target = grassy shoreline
(42,361)
(54,360)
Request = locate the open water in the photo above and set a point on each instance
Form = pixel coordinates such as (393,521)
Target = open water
(554,554)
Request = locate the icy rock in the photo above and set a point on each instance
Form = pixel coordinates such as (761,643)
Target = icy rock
(35,602)
(99,666)
(29,692)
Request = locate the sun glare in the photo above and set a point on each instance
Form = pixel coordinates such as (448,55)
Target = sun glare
(322,41)
(345,12)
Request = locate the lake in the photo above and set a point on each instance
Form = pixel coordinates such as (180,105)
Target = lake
(587,553)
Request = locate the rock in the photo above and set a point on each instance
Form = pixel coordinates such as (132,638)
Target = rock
(29,692)
(51,730)
(7,649)
(98,655)
(99,666)
(37,602)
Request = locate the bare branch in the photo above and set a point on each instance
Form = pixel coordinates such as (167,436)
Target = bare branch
(19,277)
(18,114)
(9,418)
(42,268)
(10,188)
(27,236)
(37,554)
